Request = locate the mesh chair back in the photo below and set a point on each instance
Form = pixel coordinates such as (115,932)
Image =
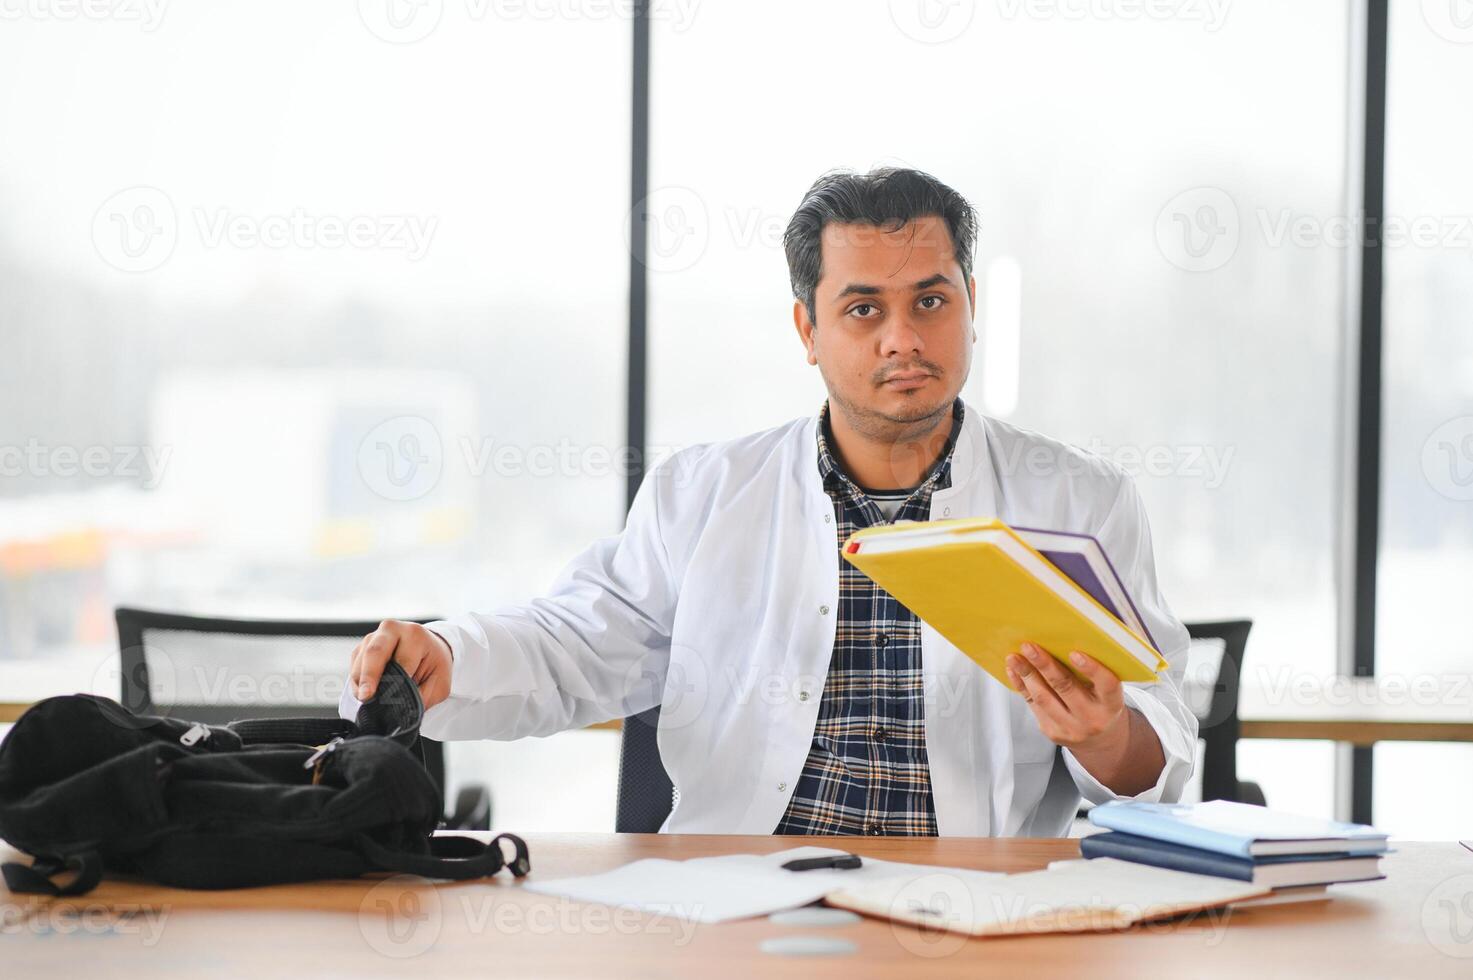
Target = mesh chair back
(220,670)
(216,670)
(646,795)
(1214,671)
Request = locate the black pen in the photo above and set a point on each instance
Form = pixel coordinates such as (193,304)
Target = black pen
(836,861)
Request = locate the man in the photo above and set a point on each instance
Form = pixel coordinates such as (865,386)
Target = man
(797,696)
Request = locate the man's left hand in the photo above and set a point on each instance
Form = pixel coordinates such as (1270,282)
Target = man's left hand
(1084,714)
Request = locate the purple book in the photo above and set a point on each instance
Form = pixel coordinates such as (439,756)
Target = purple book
(1080,557)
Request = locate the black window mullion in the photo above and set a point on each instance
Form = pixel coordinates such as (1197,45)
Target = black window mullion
(636,378)
(1368,407)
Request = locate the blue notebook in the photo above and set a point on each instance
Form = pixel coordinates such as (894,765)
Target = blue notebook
(1275,871)
(1238,829)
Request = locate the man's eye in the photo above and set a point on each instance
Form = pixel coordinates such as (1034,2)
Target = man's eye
(937,300)
(863,309)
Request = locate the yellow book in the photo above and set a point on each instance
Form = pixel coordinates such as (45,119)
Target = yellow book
(980,584)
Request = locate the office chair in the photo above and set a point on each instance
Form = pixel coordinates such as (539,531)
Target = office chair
(646,794)
(1216,708)
(221,670)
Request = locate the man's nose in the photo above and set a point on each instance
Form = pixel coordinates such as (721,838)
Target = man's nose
(900,337)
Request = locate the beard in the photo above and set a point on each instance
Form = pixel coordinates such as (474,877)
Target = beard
(910,421)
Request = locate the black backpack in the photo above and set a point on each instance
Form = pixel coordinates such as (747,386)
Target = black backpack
(87,785)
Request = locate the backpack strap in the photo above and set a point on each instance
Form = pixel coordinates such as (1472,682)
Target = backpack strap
(35,879)
(302,731)
(395,711)
(452,856)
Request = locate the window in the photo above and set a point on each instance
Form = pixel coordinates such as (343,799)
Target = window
(292,332)
(1426,551)
(288,329)
(1139,293)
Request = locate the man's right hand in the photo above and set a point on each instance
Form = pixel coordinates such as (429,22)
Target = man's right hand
(422,654)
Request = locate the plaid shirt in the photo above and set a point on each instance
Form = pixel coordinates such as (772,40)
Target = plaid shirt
(867,772)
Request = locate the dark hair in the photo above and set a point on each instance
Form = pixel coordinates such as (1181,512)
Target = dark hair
(888,198)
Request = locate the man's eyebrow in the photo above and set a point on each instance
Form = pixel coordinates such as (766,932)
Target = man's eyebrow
(863,289)
(937,280)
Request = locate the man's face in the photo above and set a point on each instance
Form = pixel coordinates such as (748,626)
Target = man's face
(894,334)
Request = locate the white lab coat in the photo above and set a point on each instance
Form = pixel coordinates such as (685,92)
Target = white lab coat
(719,601)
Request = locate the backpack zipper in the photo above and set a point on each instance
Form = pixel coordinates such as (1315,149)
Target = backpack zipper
(318,759)
(198,733)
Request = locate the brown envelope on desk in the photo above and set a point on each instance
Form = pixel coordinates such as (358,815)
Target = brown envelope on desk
(1069,896)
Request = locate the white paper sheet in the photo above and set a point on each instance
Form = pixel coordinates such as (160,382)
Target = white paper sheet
(735,886)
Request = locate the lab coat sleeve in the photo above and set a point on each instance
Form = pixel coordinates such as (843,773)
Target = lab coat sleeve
(594,648)
(1125,537)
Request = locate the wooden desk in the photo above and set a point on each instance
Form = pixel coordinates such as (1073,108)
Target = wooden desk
(1361,711)
(1398,927)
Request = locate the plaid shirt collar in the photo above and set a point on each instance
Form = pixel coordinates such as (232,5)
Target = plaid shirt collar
(834,477)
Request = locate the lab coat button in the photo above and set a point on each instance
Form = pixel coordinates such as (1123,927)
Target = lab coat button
(823,610)
(802,695)
(781,787)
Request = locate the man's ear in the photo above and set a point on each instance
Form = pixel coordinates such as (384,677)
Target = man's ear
(972,294)
(804,326)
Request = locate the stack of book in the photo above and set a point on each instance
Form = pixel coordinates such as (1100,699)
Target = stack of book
(1296,856)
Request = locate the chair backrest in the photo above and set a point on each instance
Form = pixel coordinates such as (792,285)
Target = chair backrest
(1216,706)
(646,795)
(218,670)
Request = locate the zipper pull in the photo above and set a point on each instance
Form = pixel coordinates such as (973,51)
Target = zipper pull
(322,752)
(316,760)
(198,733)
